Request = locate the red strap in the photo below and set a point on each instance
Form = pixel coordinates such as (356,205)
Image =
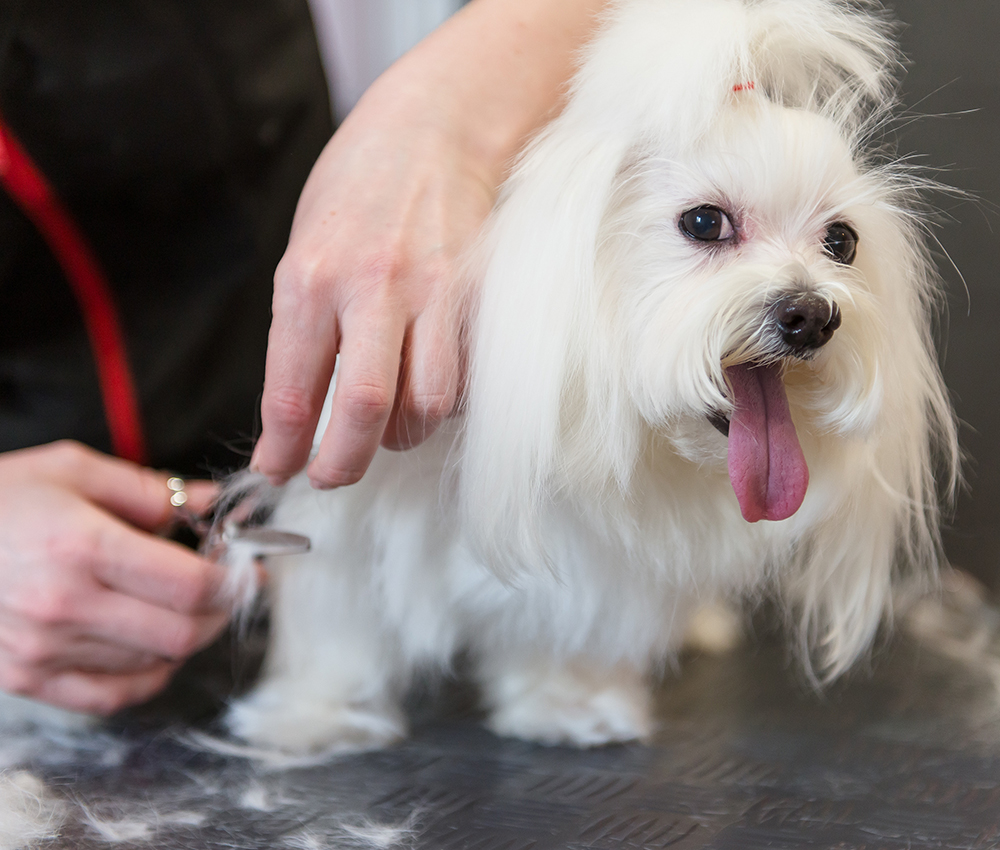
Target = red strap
(29,189)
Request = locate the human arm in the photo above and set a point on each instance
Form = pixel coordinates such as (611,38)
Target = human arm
(96,610)
(371,267)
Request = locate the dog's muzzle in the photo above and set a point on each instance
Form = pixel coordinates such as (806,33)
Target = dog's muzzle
(805,322)
(799,325)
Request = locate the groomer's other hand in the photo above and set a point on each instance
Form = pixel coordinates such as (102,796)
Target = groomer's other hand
(370,273)
(386,215)
(96,611)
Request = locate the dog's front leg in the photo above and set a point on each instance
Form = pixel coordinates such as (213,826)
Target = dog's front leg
(332,676)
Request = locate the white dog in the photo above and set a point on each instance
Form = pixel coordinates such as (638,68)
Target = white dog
(701,244)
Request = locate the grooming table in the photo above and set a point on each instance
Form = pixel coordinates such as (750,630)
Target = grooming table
(905,755)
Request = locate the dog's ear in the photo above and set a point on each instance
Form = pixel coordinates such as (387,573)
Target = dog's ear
(539,344)
(535,331)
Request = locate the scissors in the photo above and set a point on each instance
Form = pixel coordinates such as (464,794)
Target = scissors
(217,538)
(260,541)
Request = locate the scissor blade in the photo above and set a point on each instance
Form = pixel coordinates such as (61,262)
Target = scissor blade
(269,541)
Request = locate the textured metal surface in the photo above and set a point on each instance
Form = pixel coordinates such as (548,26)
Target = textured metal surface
(907,756)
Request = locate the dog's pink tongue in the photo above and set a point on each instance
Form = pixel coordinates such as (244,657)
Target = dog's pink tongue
(766,465)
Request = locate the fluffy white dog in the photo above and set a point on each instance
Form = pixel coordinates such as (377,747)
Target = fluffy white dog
(700,367)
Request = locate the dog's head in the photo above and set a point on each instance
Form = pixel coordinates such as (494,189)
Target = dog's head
(704,241)
(755,281)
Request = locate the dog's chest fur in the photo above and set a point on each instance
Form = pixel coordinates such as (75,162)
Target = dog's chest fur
(619,579)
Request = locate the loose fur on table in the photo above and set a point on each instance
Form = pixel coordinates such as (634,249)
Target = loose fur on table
(184,810)
(707,239)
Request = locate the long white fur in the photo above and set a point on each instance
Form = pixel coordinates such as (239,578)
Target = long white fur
(29,815)
(564,527)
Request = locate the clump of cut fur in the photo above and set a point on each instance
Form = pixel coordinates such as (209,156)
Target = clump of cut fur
(28,814)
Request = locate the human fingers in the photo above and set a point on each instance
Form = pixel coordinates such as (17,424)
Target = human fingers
(137,626)
(87,692)
(134,493)
(367,374)
(429,380)
(199,498)
(66,610)
(301,353)
(31,646)
(143,498)
(157,571)
(97,575)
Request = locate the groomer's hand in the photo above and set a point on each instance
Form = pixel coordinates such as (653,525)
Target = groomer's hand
(371,271)
(96,611)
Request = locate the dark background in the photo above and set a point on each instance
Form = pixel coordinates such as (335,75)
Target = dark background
(952,85)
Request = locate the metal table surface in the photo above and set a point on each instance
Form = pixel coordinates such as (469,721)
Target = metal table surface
(903,755)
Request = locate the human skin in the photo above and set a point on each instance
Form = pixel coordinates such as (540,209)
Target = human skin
(97,611)
(372,269)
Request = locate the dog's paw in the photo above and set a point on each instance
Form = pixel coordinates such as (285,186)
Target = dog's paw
(574,705)
(312,725)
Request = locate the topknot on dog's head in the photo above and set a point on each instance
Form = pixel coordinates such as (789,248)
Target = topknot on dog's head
(829,58)
(833,57)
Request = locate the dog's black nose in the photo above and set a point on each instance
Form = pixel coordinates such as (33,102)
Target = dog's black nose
(806,322)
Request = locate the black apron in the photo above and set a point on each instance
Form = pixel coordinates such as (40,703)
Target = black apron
(178,134)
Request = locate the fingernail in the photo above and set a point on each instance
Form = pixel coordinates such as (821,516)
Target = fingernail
(273,480)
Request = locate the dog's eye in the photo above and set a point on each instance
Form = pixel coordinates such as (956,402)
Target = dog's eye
(707,224)
(841,242)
